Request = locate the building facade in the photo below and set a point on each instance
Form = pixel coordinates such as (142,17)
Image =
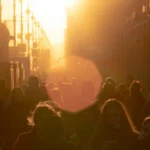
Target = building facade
(94,24)
(117,33)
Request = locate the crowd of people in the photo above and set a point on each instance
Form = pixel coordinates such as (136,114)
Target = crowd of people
(71,116)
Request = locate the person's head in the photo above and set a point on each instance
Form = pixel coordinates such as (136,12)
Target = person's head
(108,88)
(146,128)
(47,123)
(2,83)
(135,87)
(33,82)
(114,115)
(111,80)
(17,95)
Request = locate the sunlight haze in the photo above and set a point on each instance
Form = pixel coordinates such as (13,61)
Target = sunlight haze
(50,13)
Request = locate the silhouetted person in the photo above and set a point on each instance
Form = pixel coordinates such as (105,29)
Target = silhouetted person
(108,92)
(136,102)
(115,129)
(34,93)
(130,80)
(111,80)
(4,93)
(87,119)
(14,118)
(43,88)
(144,139)
(124,92)
(146,110)
(47,131)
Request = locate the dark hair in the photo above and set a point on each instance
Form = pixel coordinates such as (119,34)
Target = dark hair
(146,120)
(33,81)
(108,86)
(135,86)
(122,86)
(42,107)
(111,80)
(125,118)
(127,123)
(17,93)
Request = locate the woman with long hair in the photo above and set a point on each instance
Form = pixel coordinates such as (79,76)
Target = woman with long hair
(115,129)
(135,103)
(47,131)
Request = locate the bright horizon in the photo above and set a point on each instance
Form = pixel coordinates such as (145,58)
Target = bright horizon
(52,16)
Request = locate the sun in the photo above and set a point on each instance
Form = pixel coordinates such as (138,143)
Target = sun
(52,15)
(69,3)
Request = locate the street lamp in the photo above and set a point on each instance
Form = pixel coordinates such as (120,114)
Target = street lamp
(33,19)
(39,35)
(21,20)
(36,33)
(28,29)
